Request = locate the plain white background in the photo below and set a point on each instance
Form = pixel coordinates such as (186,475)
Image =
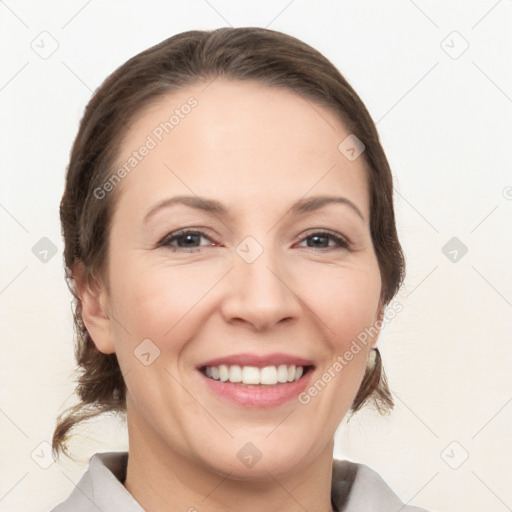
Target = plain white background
(436,77)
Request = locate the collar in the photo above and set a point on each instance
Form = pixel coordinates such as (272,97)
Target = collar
(355,488)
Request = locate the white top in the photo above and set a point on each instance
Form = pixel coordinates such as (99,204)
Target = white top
(355,488)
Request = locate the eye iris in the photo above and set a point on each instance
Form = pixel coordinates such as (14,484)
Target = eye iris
(188,237)
(317,237)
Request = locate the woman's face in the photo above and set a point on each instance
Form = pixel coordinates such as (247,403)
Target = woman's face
(255,285)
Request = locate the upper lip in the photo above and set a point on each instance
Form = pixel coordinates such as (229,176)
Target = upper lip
(258,360)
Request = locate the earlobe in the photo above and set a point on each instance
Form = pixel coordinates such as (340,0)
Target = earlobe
(94,298)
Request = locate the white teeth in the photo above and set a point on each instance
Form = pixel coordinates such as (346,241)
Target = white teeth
(235,374)
(282,373)
(250,375)
(268,376)
(223,373)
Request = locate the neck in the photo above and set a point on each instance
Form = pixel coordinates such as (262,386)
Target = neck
(158,477)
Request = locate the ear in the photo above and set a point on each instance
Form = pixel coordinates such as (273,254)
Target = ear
(379,320)
(95,306)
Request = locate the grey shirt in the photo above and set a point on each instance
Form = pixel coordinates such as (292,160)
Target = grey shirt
(355,488)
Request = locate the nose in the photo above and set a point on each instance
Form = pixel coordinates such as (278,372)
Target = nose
(260,293)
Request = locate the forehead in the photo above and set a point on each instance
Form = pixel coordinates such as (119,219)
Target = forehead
(239,139)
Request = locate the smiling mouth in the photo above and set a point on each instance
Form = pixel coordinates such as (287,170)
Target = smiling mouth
(252,376)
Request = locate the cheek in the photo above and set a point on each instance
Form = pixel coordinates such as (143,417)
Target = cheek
(150,299)
(349,308)
(154,302)
(347,304)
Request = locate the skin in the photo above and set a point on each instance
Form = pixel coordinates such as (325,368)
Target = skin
(257,150)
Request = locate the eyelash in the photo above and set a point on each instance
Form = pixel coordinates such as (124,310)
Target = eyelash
(171,237)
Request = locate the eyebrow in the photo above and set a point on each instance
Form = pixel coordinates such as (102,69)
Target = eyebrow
(217,208)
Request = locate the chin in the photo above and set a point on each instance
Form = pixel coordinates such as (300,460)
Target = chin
(255,457)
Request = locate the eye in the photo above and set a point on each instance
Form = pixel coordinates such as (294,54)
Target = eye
(189,240)
(186,239)
(320,238)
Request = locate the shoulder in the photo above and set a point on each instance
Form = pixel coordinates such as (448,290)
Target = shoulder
(357,488)
(81,498)
(101,489)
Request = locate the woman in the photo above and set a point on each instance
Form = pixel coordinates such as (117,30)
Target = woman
(231,246)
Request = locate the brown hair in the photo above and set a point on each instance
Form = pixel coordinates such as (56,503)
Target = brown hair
(249,53)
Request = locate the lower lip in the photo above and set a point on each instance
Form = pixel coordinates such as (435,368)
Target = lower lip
(258,396)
